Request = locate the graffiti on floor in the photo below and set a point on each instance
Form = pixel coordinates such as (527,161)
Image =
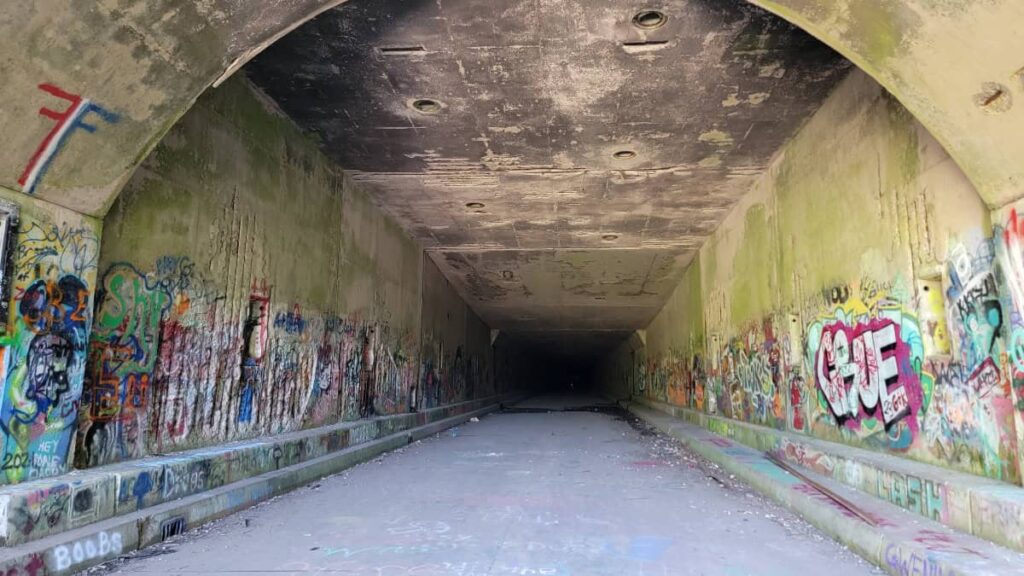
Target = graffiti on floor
(76,116)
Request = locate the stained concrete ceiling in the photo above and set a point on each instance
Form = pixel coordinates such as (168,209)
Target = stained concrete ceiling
(572,160)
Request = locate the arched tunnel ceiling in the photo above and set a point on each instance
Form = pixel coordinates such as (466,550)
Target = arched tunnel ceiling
(955,64)
(514,186)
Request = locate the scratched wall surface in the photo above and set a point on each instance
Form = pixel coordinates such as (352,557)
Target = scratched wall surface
(246,287)
(43,350)
(862,293)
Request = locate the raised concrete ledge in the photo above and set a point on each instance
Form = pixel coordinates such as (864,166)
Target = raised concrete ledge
(980,506)
(40,508)
(901,543)
(80,548)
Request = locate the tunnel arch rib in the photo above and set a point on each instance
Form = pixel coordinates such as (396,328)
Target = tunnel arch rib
(954,65)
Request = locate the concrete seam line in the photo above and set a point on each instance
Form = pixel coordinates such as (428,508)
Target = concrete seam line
(121,534)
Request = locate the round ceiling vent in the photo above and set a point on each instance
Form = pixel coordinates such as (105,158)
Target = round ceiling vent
(426,105)
(649,19)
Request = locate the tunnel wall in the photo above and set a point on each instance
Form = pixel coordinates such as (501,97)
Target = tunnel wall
(513,365)
(859,293)
(50,278)
(244,287)
(457,355)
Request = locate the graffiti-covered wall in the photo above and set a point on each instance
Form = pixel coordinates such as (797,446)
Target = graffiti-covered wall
(246,287)
(457,355)
(862,292)
(50,276)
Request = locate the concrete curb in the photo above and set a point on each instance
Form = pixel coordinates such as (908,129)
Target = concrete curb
(80,548)
(901,543)
(986,508)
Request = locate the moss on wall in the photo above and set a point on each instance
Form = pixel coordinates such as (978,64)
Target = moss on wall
(249,287)
(833,251)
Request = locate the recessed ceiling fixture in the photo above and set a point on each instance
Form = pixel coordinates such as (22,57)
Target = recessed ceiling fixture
(609,237)
(426,105)
(402,50)
(474,205)
(624,155)
(649,19)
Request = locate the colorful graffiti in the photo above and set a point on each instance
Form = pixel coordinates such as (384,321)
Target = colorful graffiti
(865,368)
(123,353)
(749,377)
(867,356)
(1011,258)
(968,418)
(446,378)
(44,350)
(971,412)
(753,373)
(255,335)
(74,117)
(176,364)
(976,313)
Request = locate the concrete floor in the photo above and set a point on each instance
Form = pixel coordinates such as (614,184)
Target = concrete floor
(564,493)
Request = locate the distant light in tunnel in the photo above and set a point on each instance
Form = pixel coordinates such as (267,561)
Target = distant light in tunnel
(649,19)
(624,155)
(426,105)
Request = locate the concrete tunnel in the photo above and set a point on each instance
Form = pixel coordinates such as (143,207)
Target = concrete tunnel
(554,287)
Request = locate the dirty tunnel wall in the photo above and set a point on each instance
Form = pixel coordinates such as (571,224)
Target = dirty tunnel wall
(47,307)
(457,355)
(244,287)
(861,292)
